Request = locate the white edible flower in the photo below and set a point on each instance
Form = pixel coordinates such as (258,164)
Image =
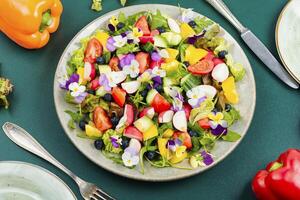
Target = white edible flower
(158,72)
(119,41)
(132,69)
(76,89)
(145,77)
(130,159)
(187,15)
(194,95)
(63,76)
(134,35)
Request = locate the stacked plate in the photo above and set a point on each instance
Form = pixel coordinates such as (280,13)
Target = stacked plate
(288,38)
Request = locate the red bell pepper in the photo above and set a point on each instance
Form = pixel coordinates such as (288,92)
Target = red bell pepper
(281,178)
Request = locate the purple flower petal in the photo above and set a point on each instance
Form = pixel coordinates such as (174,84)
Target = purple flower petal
(114,142)
(130,41)
(207,159)
(178,142)
(80,98)
(111,27)
(179,96)
(126,60)
(219,130)
(155,56)
(171,145)
(157,80)
(123,35)
(199,102)
(103,81)
(73,78)
(193,39)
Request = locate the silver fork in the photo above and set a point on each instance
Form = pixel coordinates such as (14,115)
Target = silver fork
(89,191)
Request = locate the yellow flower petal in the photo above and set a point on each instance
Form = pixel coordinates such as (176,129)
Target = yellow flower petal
(114,21)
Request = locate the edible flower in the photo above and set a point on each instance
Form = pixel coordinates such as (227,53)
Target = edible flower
(120,41)
(114,21)
(217,124)
(177,102)
(203,159)
(63,78)
(163,53)
(196,97)
(156,71)
(116,141)
(130,157)
(146,76)
(76,89)
(132,69)
(187,15)
(74,78)
(126,60)
(173,144)
(110,44)
(155,56)
(134,35)
(103,81)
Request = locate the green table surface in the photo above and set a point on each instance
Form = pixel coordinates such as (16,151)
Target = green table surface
(275,126)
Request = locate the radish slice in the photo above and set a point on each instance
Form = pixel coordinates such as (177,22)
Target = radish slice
(166,116)
(179,121)
(135,144)
(87,70)
(149,112)
(208,90)
(118,77)
(131,86)
(173,25)
(220,73)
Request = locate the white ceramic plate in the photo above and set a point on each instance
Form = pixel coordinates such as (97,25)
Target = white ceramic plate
(288,38)
(24,181)
(246,88)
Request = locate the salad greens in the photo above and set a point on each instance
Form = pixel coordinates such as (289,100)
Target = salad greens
(150,88)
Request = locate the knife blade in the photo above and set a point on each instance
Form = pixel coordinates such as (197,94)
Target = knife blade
(259,49)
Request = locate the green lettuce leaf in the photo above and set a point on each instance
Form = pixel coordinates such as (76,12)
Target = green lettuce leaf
(231,136)
(107,142)
(231,116)
(201,112)
(201,24)
(157,20)
(128,48)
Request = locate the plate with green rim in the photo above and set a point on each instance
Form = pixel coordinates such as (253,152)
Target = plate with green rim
(246,89)
(24,181)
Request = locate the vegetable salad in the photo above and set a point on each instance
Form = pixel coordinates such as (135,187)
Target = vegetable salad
(156,89)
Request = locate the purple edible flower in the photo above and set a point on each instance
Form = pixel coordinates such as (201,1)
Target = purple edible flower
(79,99)
(103,81)
(126,60)
(219,130)
(155,56)
(199,102)
(123,34)
(130,41)
(114,142)
(73,78)
(110,44)
(207,158)
(157,81)
(111,27)
(193,39)
(171,145)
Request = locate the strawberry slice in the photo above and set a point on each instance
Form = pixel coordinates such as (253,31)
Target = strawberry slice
(114,63)
(187,109)
(101,120)
(217,61)
(154,32)
(143,60)
(119,96)
(145,39)
(95,84)
(93,51)
(160,104)
(156,63)
(204,123)
(142,24)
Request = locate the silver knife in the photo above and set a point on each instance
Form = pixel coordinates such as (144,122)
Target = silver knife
(255,45)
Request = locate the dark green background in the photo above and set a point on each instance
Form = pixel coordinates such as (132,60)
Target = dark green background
(275,126)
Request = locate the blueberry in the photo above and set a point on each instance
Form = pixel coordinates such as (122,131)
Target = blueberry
(151,155)
(99,144)
(161,29)
(115,120)
(120,25)
(108,97)
(125,142)
(222,54)
(193,134)
(227,107)
(93,92)
(100,60)
(186,63)
(82,124)
(192,24)
(159,88)
(144,93)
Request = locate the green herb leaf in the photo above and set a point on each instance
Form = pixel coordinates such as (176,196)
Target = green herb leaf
(122,17)
(196,144)
(157,20)
(164,127)
(196,128)
(201,112)
(128,48)
(201,24)
(123,2)
(148,47)
(231,136)
(231,116)
(208,141)
(76,117)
